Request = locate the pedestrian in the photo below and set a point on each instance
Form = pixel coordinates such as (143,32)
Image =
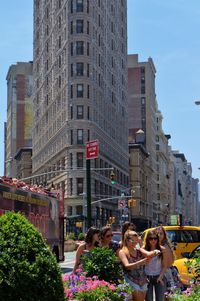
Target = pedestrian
(133,261)
(106,239)
(156,267)
(171,275)
(126,226)
(163,240)
(92,240)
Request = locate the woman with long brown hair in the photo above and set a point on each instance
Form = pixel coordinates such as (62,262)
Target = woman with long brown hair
(156,267)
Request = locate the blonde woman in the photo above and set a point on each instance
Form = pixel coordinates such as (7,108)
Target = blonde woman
(133,260)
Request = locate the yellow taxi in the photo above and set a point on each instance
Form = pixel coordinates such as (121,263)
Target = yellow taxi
(186,272)
(183,238)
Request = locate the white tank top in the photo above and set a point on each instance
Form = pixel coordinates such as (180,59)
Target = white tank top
(154,266)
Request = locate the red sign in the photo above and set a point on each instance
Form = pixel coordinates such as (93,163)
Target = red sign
(92,149)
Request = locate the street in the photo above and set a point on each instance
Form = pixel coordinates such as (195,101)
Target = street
(67,265)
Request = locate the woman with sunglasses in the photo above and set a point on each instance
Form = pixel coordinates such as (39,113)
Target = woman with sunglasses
(133,259)
(171,274)
(106,239)
(156,267)
(92,240)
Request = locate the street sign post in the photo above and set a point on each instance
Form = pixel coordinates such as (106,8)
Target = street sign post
(92,151)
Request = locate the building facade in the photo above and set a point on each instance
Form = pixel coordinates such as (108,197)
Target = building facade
(18,128)
(142,108)
(80,95)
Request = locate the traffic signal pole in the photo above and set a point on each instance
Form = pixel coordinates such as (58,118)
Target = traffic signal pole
(89,207)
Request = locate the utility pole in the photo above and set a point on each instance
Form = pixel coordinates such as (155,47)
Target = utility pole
(89,206)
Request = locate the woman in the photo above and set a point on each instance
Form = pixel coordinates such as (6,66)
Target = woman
(128,226)
(171,275)
(133,262)
(106,239)
(92,240)
(156,267)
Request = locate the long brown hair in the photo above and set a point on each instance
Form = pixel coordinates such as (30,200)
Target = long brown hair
(147,245)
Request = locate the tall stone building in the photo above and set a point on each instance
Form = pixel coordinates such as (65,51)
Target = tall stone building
(18,128)
(80,94)
(142,108)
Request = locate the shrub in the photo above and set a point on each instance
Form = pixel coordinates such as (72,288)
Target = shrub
(28,269)
(104,264)
(81,236)
(71,236)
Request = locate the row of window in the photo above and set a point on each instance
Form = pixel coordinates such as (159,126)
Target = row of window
(79,91)
(79,69)
(79,48)
(80,114)
(80,26)
(78,6)
(78,136)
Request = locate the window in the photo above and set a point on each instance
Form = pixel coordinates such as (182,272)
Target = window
(71,6)
(72,70)
(71,160)
(79,182)
(79,210)
(79,6)
(71,134)
(71,27)
(79,26)
(79,159)
(142,89)
(88,27)
(79,69)
(88,91)
(80,136)
(79,112)
(88,49)
(88,113)
(79,48)
(80,90)
(72,49)
(88,70)
(71,91)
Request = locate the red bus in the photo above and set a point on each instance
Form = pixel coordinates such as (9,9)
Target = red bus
(43,210)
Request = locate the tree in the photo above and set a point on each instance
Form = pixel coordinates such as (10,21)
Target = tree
(28,269)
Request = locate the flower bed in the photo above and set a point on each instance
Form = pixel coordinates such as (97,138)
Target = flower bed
(80,287)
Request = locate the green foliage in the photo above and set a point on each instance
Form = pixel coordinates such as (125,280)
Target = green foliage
(104,264)
(28,269)
(71,236)
(81,236)
(193,291)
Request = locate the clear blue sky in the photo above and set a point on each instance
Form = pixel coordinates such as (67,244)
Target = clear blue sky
(166,30)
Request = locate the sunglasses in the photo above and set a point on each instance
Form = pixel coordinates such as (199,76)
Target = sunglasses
(109,235)
(131,240)
(153,238)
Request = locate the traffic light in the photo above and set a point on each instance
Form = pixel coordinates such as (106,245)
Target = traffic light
(113,177)
(131,203)
(111,220)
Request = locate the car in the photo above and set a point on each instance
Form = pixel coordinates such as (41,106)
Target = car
(182,238)
(186,272)
(117,236)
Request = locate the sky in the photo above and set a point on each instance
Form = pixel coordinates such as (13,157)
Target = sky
(165,30)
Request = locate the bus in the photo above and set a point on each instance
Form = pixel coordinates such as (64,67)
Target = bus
(43,210)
